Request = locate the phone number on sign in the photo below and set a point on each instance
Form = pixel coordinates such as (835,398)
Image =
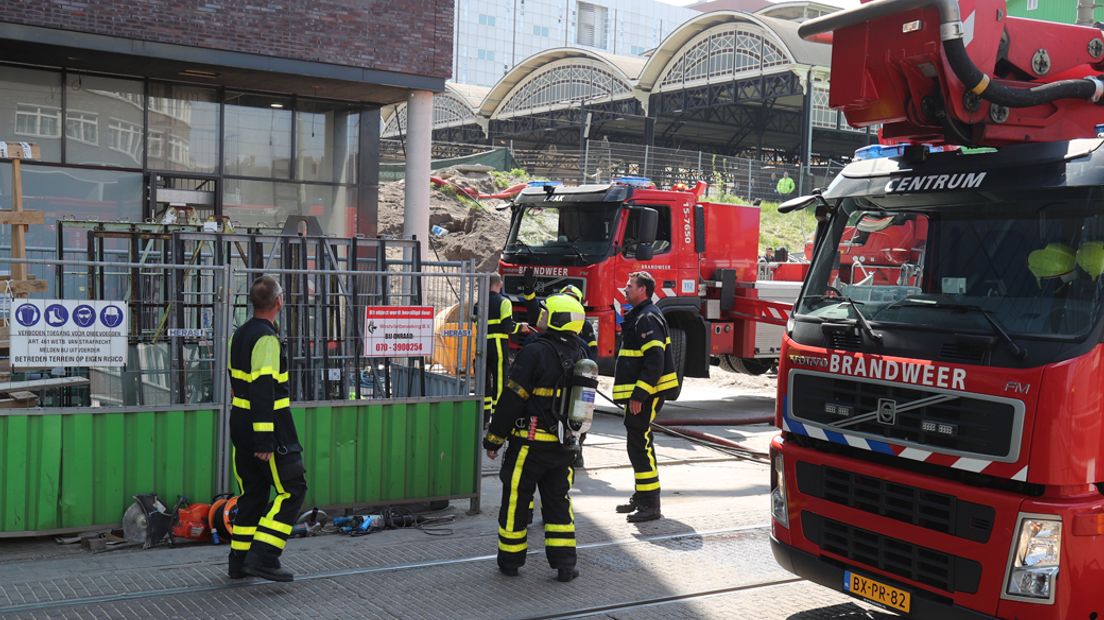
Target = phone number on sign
(398,347)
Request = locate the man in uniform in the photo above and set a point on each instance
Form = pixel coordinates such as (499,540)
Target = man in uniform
(529,415)
(643,378)
(267,452)
(591,341)
(500,325)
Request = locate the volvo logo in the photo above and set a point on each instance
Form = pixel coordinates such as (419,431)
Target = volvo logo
(887,411)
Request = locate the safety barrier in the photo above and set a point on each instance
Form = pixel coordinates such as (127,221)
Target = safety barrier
(376,428)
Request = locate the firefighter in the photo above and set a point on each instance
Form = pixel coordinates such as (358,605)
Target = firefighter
(539,454)
(643,378)
(500,325)
(267,452)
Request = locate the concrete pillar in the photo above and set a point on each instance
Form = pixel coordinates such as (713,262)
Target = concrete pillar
(419,132)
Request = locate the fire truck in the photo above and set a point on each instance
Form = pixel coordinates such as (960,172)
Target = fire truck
(720,303)
(941,411)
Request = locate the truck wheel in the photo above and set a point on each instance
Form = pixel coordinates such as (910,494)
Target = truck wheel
(678,351)
(745,365)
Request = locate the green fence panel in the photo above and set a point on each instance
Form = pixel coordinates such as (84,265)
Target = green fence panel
(391,452)
(81,470)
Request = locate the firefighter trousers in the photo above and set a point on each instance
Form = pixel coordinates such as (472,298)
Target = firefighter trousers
(496,375)
(261,527)
(641,447)
(527,467)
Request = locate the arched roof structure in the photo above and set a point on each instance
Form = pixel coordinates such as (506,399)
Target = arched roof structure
(454,115)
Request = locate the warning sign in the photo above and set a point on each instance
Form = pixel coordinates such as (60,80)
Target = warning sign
(64,332)
(398,331)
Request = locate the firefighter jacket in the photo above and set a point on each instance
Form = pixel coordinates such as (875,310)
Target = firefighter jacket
(537,384)
(500,319)
(260,416)
(645,365)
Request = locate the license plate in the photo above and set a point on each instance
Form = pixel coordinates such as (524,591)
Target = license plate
(876,592)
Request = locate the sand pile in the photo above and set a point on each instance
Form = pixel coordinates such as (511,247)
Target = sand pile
(475,230)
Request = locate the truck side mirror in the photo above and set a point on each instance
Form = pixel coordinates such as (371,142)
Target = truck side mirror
(644,251)
(647,224)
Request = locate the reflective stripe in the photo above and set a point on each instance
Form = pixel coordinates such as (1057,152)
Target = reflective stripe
(511,535)
(234,466)
(630,353)
(279,543)
(281,495)
(650,344)
(513,548)
(647,487)
(559,542)
(559,527)
(241,545)
(515,480)
(241,530)
(263,427)
(516,388)
(668,381)
(644,385)
(282,403)
(592,343)
(499,336)
(283,528)
(545,392)
(491,437)
(644,475)
(240,403)
(540,435)
(248,377)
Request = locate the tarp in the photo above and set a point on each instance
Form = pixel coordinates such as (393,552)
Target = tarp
(499,159)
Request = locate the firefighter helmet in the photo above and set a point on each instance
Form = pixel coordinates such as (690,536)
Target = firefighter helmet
(572,291)
(562,313)
(1056,260)
(1090,257)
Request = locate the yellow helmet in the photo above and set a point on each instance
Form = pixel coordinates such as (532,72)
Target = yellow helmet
(572,291)
(1053,261)
(1090,257)
(562,313)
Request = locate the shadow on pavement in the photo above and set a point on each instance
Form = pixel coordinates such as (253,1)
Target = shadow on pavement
(846,611)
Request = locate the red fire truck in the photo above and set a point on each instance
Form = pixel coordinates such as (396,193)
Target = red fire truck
(721,304)
(942,416)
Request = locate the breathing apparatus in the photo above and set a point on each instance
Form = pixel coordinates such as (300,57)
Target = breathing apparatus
(573,403)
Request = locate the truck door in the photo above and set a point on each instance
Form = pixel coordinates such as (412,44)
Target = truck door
(663,265)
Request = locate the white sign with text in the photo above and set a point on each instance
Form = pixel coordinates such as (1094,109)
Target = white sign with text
(398,331)
(65,332)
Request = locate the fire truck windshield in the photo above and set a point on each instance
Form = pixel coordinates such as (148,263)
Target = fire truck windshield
(1031,267)
(577,232)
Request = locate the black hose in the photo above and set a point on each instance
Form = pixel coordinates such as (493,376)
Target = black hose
(975,80)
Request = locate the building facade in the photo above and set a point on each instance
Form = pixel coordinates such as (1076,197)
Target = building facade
(245,112)
(492,36)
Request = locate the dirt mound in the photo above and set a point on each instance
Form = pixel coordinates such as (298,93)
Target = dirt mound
(474,229)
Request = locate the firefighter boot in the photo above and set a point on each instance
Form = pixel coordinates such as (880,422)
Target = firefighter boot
(631,506)
(645,511)
(566,574)
(266,567)
(508,571)
(235,569)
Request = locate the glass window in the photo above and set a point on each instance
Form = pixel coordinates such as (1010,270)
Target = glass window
(257,141)
(103,121)
(327,139)
(73,193)
(188,116)
(30,109)
(269,203)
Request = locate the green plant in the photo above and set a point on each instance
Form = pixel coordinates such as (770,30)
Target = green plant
(508,178)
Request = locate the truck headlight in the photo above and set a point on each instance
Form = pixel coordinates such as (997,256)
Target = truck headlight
(1036,554)
(778,491)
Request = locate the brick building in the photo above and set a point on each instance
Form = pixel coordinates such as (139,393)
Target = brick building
(255,111)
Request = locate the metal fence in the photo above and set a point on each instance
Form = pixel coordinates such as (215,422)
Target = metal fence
(181,318)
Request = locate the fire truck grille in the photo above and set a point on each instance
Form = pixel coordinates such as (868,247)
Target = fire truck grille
(545,285)
(908,414)
(934,511)
(934,568)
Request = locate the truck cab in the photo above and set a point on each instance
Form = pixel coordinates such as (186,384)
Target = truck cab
(594,236)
